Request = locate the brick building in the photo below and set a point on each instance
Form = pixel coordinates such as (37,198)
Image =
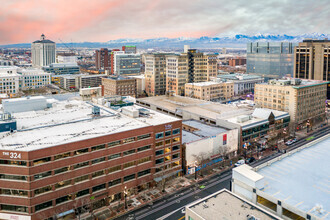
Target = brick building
(76,157)
(120,85)
(103,59)
(240,61)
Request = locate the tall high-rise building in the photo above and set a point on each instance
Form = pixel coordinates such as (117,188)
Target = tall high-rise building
(312,60)
(176,73)
(103,59)
(271,60)
(155,74)
(43,52)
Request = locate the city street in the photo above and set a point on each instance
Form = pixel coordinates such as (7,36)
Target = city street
(172,207)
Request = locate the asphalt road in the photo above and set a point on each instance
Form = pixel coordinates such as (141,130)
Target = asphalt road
(172,208)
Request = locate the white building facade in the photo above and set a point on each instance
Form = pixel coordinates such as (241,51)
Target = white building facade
(33,78)
(43,52)
(9,80)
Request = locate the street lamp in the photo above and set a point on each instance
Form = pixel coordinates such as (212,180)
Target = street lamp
(125,196)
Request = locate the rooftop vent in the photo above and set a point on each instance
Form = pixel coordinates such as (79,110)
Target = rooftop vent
(96,110)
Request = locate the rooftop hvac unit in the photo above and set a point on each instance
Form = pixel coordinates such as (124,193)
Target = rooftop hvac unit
(96,110)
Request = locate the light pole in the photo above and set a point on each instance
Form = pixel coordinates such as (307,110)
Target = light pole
(195,170)
(125,196)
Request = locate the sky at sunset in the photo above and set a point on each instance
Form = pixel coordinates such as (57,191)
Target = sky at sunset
(22,21)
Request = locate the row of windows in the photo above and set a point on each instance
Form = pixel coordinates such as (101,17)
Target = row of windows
(167,133)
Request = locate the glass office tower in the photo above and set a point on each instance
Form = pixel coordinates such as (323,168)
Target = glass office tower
(271,60)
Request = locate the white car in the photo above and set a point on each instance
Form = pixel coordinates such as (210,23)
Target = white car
(239,163)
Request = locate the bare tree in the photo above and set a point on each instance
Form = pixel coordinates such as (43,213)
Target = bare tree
(201,159)
(223,152)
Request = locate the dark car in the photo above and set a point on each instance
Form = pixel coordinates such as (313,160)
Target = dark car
(250,160)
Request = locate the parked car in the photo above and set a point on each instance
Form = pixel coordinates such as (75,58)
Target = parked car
(289,142)
(239,163)
(294,140)
(250,160)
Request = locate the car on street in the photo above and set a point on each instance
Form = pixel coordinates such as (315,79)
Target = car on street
(289,142)
(239,163)
(250,160)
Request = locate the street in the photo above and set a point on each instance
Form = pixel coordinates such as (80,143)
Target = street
(172,207)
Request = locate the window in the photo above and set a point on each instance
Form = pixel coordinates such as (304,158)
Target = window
(176,147)
(129,152)
(159,135)
(41,161)
(167,158)
(159,152)
(167,133)
(161,143)
(129,164)
(99,187)
(129,177)
(81,178)
(144,172)
(177,139)
(115,143)
(81,151)
(143,148)
(176,131)
(61,170)
(63,199)
(79,165)
(13,177)
(42,190)
(99,147)
(98,160)
(128,140)
(145,136)
(174,156)
(62,184)
(167,150)
(168,141)
(115,182)
(43,205)
(161,160)
(14,208)
(61,156)
(143,160)
(98,173)
(13,192)
(114,156)
(13,162)
(82,193)
(114,169)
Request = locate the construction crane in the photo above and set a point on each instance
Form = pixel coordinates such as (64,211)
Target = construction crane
(71,49)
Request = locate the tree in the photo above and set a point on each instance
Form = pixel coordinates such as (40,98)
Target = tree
(223,151)
(201,159)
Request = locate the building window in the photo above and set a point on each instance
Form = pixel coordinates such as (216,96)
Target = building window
(176,131)
(81,151)
(115,143)
(62,184)
(128,140)
(167,133)
(144,172)
(167,150)
(61,156)
(168,141)
(61,170)
(129,152)
(14,192)
(129,164)
(13,177)
(129,177)
(82,193)
(176,147)
(98,173)
(175,140)
(99,147)
(159,161)
(114,169)
(143,160)
(174,156)
(99,160)
(79,165)
(114,156)
(41,161)
(159,152)
(42,190)
(141,137)
(98,188)
(42,175)
(81,178)
(143,148)
(115,182)
(159,135)
(63,199)
(14,208)
(158,144)
(43,206)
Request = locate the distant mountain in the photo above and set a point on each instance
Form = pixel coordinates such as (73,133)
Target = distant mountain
(219,41)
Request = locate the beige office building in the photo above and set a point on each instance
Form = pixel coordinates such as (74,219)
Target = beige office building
(303,99)
(176,73)
(155,74)
(210,91)
(123,86)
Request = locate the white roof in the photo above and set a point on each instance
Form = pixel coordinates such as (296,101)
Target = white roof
(247,171)
(70,121)
(204,83)
(265,112)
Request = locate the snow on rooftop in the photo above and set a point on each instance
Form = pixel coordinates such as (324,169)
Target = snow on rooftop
(188,137)
(302,179)
(204,130)
(70,121)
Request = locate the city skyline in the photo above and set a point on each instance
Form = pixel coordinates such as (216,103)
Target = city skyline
(80,20)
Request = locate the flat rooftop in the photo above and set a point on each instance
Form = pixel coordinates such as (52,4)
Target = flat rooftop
(302,180)
(203,108)
(210,83)
(71,121)
(226,205)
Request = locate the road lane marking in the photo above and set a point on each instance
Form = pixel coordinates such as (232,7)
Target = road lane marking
(182,217)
